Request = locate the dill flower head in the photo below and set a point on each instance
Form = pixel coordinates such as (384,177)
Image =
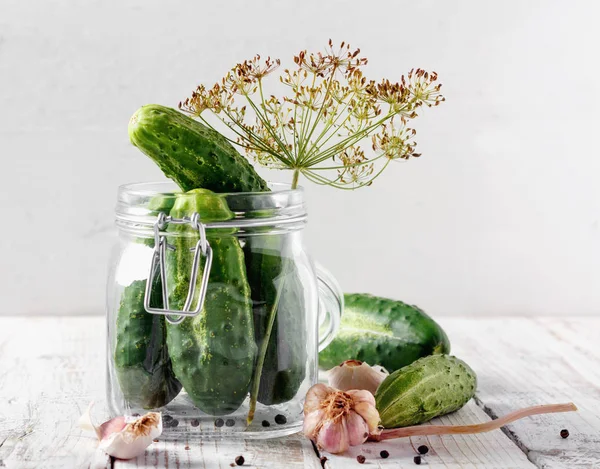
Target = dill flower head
(319,127)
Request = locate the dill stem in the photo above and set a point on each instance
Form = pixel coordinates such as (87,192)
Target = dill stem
(295,178)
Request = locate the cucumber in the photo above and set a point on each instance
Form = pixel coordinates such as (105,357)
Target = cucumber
(212,353)
(383,332)
(430,387)
(142,363)
(284,367)
(190,153)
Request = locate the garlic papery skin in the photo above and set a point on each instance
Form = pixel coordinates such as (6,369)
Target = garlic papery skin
(334,420)
(354,374)
(124,437)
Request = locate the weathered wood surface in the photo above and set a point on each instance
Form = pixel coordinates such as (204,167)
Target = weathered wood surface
(50,368)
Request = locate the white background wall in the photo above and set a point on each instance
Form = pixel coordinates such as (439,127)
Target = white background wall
(500,215)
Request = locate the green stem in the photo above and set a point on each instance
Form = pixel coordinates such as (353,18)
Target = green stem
(262,352)
(295,178)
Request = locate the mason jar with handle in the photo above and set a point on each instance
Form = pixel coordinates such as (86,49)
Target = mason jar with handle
(215,311)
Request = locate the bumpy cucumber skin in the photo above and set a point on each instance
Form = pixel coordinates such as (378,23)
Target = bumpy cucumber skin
(284,367)
(383,332)
(430,387)
(142,363)
(213,353)
(190,153)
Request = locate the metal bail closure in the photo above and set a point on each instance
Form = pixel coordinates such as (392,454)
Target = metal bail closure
(202,249)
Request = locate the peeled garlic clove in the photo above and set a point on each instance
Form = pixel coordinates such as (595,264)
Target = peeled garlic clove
(135,437)
(358,430)
(311,423)
(315,395)
(333,436)
(354,374)
(124,437)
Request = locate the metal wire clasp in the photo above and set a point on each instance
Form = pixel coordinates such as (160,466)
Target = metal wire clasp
(202,248)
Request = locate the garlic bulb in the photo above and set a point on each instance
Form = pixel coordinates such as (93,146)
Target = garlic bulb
(124,437)
(336,420)
(354,374)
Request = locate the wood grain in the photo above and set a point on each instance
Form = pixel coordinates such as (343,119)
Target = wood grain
(50,368)
(523,362)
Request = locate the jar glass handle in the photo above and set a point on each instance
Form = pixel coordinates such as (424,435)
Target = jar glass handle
(331,306)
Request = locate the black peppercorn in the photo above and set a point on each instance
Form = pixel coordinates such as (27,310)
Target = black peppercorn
(174,423)
(280,419)
(417,460)
(195,422)
(230,422)
(239,460)
(361,459)
(265,423)
(564,433)
(219,423)
(423,449)
(167,418)
(384,454)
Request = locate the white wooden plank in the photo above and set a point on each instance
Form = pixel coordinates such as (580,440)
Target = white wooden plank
(50,369)
(522,362)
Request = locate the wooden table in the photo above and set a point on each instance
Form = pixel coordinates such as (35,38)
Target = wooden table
(51,368)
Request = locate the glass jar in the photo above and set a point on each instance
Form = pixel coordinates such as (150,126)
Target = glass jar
(215,311)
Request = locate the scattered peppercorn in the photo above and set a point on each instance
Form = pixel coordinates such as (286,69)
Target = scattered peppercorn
(219,423)
(230,422)
(195,422)
(240,460)
(384,454)
(423,449)
(265,423)
(174,423)
(187,448)
(564,433)
(417,460)
(361,459)
(167,418)
(323,460)
(280,419)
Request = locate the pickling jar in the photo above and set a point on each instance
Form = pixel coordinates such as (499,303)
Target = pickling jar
(215,311)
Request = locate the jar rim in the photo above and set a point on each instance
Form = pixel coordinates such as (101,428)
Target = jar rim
(281,209)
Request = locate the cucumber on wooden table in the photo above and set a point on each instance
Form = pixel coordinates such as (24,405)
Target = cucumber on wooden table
(430,387)
(385,332)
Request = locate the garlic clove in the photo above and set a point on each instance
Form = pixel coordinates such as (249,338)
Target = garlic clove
(312,422)
(360,395)
(124,437)
(134,438)
(333,436)
(354,374)
(370,415)
(315,395)
(358,430)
